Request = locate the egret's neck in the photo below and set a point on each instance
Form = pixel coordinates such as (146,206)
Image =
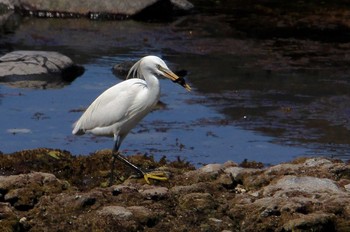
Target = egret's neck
(152,84)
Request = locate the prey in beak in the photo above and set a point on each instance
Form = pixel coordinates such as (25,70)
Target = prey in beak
(175,78)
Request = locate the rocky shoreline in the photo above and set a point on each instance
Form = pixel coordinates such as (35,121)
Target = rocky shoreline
(45,189)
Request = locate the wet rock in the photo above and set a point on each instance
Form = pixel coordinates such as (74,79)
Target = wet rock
(95,9)
(122,69)
(39,69)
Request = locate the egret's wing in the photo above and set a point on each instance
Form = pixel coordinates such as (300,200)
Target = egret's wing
(112,106)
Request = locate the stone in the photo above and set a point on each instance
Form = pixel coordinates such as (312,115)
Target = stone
(33,62)
(6,211)
(303,201)
(155,192)
(201,202)
(211,168)
(347,187)
(118,189)
(23,191)
(70,8)
(118,211)
(311,222)
(237,172)
(142,214)
(305,184)
(315,162)
(184,189)
(37,68)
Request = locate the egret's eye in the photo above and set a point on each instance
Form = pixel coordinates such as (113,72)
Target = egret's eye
(159,67)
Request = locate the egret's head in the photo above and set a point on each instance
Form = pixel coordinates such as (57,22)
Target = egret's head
(156,66)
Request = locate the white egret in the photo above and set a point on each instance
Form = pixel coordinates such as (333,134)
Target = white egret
(118,109)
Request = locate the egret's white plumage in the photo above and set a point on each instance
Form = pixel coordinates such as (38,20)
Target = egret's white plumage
(118,109)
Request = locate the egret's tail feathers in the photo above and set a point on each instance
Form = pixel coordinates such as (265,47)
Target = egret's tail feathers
(77,130)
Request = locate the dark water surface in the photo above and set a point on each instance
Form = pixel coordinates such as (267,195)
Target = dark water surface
(246,103)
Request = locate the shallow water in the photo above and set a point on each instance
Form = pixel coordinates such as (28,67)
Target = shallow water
(237,110)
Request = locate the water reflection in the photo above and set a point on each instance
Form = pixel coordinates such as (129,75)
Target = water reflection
(183,129)
(240,108)
(306,108)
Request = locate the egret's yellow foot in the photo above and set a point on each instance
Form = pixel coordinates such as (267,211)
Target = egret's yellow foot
(156,175)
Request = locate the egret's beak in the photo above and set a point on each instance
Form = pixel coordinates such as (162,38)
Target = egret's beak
(175,78)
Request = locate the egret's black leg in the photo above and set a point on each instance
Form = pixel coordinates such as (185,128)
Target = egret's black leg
(157,175)
(115,151)
(127,162)
(116,155)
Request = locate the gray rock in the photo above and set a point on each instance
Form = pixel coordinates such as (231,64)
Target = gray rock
(238,172)
(154,192)
(37,68)
(63,8)
(142,214)
(211,168)
(347,187)
(290,169)
(118,189)
(24,191)
(117,211)
(33,62)
(306,184)
(316,162)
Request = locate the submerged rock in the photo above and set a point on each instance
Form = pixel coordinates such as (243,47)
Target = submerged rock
(37,69)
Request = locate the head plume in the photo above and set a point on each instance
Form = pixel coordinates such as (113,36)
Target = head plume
(135,71)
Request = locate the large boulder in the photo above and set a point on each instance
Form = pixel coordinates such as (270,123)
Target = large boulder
(93,8)
(37,69)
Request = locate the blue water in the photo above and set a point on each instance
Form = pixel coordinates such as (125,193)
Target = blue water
(32,118)
(237,110)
